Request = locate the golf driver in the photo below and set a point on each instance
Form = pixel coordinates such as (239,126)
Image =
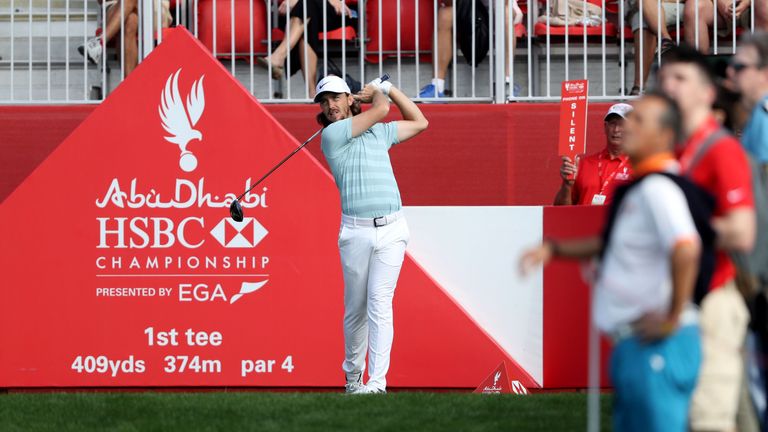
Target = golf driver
(236,210)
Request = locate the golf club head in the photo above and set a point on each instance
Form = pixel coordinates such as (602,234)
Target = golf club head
(236,211)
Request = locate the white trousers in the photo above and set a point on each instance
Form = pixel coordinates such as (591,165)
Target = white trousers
(371,259)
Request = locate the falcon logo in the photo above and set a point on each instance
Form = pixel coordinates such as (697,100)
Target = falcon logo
(178,120)
(496,378)
(245,234)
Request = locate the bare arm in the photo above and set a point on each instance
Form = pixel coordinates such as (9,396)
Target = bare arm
(736,230)
(564,194)
(413,122)
(340,7)
(568,174)
(577,249)
(285,5)
(376,113)
(741,6)
(685,269)
(573,249)
(727,9)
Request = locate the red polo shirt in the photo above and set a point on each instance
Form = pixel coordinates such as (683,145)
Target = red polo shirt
(599,174)
(724,172)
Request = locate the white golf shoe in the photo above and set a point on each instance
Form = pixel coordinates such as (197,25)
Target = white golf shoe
(355,386)
(372,390)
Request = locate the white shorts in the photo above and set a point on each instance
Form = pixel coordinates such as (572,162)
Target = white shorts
(672,13)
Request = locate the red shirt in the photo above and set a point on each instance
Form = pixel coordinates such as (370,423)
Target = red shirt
(599,174)
(724,172)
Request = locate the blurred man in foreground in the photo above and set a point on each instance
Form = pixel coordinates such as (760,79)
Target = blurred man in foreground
(650,260)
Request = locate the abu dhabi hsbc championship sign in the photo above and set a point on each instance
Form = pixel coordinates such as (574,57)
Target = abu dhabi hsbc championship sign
(132,272)
(121,266)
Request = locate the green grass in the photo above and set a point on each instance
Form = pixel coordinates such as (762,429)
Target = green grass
(147,411)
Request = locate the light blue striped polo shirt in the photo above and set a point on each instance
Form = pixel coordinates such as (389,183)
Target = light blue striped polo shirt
(362,168)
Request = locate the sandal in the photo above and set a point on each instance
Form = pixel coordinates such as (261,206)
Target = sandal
(635,91)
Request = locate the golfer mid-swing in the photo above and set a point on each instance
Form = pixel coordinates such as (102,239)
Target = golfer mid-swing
(373,232)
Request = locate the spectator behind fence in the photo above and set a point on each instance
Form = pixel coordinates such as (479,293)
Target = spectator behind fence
(313,25)
(670,13)
(714,160)
(593,179)
(725,18)
(683,12)
(93,48)
(650,252)
(443,52)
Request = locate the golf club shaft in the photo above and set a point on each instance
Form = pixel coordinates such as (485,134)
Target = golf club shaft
(279,164)
(384,77)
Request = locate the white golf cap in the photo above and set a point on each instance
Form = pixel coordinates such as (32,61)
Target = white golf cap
(620,109)
(332,84)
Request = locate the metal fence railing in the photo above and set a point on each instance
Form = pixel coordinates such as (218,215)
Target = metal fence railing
(78,51)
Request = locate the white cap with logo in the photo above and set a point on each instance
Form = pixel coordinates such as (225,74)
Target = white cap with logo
(332,84)
(620,109)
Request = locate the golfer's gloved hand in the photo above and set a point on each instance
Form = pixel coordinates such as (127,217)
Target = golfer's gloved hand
(384,86)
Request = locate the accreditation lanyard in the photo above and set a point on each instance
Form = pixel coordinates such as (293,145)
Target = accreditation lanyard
(601,173)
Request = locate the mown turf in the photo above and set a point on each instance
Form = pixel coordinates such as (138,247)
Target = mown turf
(294,412)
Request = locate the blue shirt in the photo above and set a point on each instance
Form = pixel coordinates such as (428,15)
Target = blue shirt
(755,135)
(362,169)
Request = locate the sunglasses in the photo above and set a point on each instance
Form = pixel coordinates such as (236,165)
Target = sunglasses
(738,67)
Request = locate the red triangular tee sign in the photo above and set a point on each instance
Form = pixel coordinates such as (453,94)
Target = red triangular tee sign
(121,266)
(497,382)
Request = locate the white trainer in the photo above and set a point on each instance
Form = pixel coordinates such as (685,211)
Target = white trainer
(92,49)
(372,390)
(355,386)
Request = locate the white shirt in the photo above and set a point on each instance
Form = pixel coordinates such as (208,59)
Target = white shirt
(636,277)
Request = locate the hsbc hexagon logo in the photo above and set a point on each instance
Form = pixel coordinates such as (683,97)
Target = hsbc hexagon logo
(245,234)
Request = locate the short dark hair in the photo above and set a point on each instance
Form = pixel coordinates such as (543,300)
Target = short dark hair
(671,118)
(686,54)
(324,122)
(758,41)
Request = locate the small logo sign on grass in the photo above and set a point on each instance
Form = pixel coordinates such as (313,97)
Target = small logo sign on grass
(498,382)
